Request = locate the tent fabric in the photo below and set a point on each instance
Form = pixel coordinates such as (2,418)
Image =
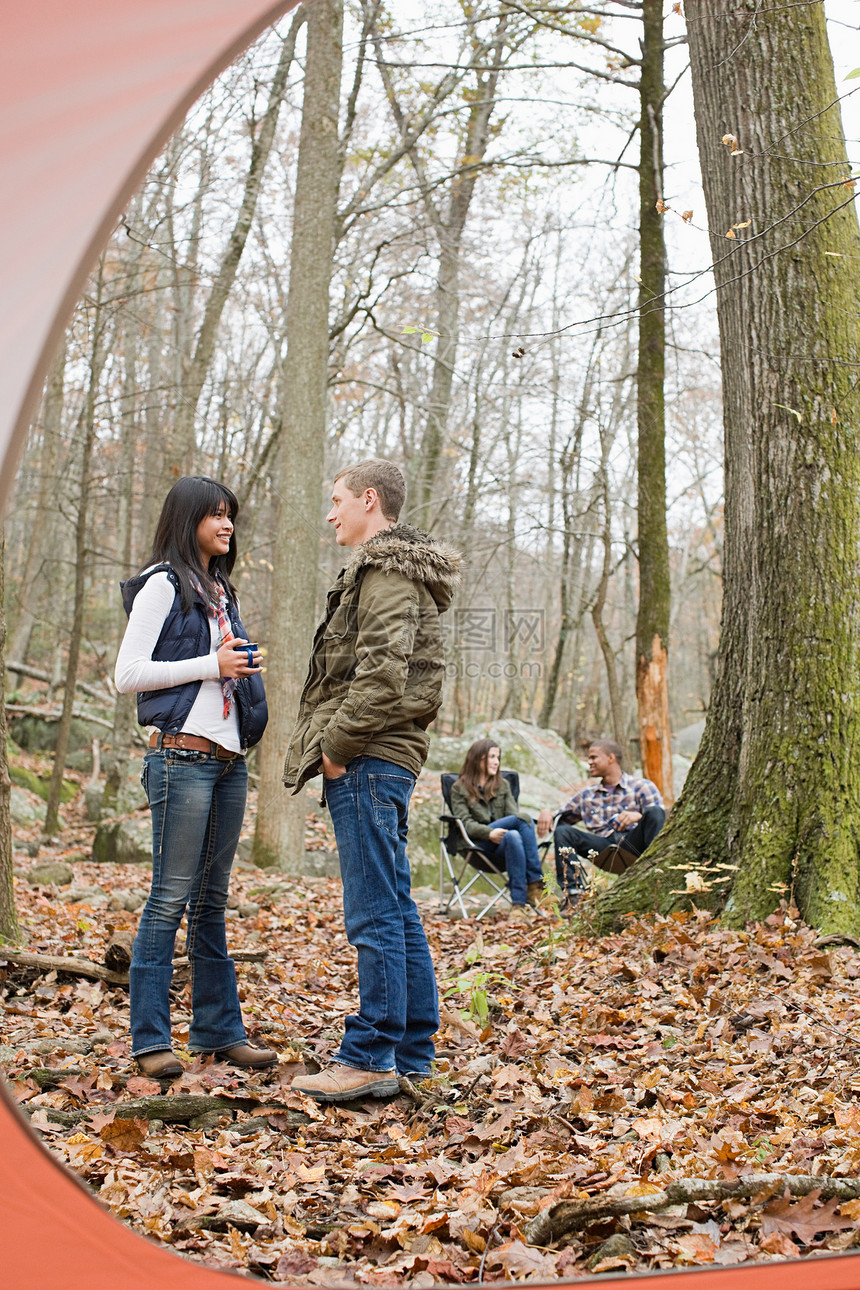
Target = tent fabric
(56,1234)
(89,92)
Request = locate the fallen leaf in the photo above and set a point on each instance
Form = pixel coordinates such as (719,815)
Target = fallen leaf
(803,1219)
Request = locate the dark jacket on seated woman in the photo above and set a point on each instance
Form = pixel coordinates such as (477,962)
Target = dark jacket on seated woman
(482,800)
(478,815)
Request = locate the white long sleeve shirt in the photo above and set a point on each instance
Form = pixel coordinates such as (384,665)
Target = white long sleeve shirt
(136,669)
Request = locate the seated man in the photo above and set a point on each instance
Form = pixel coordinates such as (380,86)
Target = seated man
(618,817)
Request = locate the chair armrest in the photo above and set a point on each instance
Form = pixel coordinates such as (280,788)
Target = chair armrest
(566,817)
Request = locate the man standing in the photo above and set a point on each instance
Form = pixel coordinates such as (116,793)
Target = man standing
(619,816)
(374,685)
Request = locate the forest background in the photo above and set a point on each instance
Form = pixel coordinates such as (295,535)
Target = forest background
(476,232)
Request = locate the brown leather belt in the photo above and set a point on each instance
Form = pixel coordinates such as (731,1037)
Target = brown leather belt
(194,743)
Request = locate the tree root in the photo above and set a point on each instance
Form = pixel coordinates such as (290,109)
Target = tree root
(570,1215)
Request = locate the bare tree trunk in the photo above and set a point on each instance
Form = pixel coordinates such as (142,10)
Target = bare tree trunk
(449,230)
(204,350)
(98,354)
(571,556)
(279,832)
(9,929)
(652,622)
(41,530)
(616,707)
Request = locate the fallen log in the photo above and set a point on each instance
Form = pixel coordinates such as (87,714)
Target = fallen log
(95,971)
(62,963)
(35,674)
(27,710)
(176,1109)
(570,1215)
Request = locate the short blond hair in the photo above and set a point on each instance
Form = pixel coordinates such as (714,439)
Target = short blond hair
(382,475)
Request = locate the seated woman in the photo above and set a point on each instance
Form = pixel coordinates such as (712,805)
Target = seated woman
(483,800)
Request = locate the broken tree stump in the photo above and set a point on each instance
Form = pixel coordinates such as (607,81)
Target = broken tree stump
(118,951)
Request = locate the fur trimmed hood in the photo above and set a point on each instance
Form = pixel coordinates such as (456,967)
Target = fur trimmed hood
(414,554)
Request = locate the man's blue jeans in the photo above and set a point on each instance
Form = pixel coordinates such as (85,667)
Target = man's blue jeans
(398,998)
(197,804)
(518,852)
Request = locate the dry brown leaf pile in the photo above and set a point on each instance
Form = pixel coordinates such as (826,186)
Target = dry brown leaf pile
(568,1068)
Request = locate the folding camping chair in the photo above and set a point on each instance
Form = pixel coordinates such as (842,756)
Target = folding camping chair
(458,853)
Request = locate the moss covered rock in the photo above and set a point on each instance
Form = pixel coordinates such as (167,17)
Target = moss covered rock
(40,784)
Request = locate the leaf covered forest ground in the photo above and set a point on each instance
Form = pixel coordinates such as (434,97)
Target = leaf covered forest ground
(569,1067)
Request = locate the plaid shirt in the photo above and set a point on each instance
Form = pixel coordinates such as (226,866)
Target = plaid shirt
(599,803)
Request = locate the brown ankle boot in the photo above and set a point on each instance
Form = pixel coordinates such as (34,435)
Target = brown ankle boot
(534,894)
(161,1065)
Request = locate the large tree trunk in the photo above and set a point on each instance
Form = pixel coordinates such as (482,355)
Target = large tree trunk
(774,788)
(652,621)
(279,832)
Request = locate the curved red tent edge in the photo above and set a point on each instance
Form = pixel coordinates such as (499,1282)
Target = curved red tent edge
(38,14)
(56,1231)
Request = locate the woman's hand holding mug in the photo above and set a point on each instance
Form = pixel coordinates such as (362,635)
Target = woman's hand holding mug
(238,657)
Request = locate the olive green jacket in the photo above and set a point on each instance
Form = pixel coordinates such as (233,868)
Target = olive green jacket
(374,682)
(478,816)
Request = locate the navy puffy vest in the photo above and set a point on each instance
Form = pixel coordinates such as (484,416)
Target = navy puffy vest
(188,636)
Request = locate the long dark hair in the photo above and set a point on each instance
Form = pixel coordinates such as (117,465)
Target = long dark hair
(190,500)
(475,767)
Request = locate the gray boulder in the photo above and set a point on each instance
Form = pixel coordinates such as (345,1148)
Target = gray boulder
(51,873)
(123,841)
(26,808)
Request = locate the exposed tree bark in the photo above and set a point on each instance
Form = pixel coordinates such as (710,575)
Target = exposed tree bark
(279,832)
(652,621)
(774,787)
(9,929)
(204,349)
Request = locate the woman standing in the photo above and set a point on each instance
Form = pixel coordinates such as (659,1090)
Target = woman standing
(483,800)
(184,652)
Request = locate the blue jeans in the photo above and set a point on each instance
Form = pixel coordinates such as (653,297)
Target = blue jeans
(197,804)
(518,853)
(398,1011)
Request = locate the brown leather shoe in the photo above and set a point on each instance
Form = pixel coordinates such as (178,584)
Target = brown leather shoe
(246,1055)
(162,1065)
(345,1083)
(519,914)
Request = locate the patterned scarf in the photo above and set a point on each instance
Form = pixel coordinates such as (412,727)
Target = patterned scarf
(225,633)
